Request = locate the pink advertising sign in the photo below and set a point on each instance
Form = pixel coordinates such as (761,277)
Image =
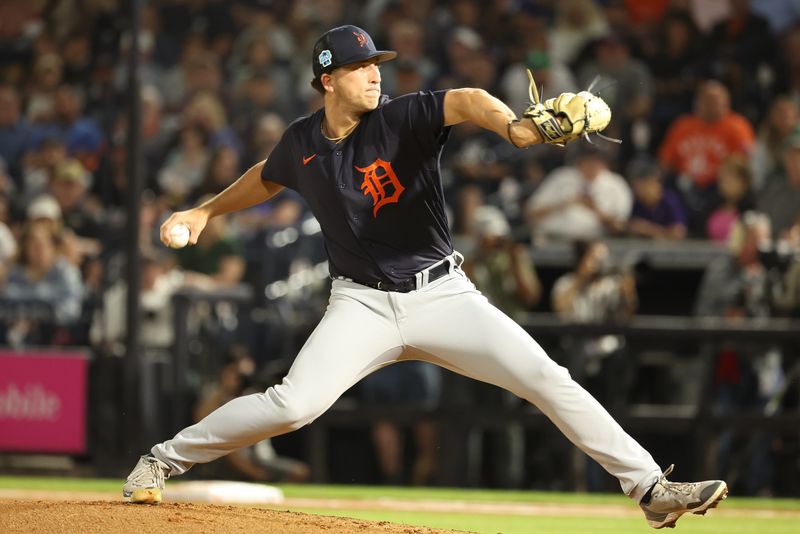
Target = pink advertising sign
(43,401)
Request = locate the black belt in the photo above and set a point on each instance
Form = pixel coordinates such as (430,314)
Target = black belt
(410,284)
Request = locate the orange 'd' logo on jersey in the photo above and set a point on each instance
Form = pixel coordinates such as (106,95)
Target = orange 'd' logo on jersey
(381,183)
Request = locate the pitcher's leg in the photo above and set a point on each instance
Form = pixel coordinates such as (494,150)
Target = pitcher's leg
(353,339)
(474,338)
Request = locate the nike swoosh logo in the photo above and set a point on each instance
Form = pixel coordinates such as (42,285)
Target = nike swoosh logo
(309,158)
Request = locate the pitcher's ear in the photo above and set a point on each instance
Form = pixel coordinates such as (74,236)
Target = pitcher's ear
(325,81)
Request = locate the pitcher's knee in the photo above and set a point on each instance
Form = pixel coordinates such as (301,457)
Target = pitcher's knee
(549,375)
(294,411)
(558,373)
(297,418)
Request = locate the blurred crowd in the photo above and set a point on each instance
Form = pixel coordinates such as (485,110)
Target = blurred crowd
(704,93)
(705,98)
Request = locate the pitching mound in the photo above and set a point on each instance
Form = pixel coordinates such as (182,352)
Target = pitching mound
(38,516)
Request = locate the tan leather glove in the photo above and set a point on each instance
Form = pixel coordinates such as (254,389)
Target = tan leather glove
(567,116)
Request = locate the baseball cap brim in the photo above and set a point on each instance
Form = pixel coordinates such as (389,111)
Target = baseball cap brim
(382,55)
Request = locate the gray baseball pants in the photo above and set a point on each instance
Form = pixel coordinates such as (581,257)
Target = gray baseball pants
(446,322)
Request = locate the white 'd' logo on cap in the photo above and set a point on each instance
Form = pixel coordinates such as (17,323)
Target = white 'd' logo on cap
(325,58)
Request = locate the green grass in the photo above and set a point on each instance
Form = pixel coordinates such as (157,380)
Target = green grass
(444,494)
(484,523)
(480,495)
(60,484)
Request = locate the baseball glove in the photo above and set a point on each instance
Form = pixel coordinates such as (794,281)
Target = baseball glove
(568,116)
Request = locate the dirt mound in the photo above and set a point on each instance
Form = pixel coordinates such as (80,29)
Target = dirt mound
(40,516)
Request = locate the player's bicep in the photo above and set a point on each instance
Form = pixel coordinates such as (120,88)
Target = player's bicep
(272,188)
(457,104)
(257,172)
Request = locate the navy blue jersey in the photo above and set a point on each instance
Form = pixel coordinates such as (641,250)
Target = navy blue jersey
(378,193)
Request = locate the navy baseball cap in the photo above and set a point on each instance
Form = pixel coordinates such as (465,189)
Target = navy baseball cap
(344,45)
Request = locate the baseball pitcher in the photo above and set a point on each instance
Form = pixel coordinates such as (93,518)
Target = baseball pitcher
(368,166)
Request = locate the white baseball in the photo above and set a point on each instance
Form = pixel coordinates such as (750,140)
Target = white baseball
(179,236)
(597,111)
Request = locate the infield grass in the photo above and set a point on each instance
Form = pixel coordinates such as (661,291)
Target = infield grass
(785,520)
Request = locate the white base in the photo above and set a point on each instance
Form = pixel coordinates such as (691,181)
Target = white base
(222,491)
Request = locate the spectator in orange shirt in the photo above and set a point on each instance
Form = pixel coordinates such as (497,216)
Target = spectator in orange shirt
(696,144)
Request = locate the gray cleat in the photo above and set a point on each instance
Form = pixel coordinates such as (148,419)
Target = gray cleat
(670,500)
(146,481)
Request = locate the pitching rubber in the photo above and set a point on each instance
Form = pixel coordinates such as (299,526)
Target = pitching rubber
(146,496)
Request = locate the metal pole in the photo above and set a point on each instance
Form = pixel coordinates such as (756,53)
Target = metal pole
(133,353)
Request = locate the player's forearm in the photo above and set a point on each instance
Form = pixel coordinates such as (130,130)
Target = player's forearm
(489,112)
(249,190)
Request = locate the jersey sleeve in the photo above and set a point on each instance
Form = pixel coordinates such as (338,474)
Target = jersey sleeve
(421,116)
(278,165)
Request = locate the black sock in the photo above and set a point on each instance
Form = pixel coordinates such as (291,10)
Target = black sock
(648,495)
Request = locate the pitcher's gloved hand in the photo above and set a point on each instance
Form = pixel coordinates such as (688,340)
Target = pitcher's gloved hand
(567,116)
